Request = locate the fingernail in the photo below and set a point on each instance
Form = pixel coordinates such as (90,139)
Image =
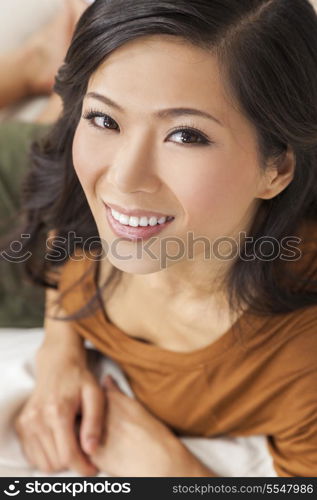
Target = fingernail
(110,382)
(114,382)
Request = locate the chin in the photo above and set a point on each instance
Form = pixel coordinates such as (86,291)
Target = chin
(131,257)
(136,266)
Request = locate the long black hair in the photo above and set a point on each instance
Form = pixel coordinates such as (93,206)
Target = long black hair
(267,52)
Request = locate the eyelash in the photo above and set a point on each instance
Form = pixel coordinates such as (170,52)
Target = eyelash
(203,140)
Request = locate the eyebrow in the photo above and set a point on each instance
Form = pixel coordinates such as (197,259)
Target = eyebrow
(164,113)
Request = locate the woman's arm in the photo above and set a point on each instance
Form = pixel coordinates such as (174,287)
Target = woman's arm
(13,84)
(64,389)
(30,69)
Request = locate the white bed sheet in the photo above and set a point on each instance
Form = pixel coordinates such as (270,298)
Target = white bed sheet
(228,457)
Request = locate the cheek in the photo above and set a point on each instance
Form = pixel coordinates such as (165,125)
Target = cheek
(82,159)
(222,189)
(88,158)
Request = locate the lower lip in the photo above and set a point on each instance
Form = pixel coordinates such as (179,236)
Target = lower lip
(134,233)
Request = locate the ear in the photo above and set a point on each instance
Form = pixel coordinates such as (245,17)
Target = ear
(278,175)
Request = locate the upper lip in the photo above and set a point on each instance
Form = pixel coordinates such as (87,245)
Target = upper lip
(135,212)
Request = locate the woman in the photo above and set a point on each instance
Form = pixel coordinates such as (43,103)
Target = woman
(182,121)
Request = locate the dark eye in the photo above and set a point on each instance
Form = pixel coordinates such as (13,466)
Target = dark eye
(100,120)
(186,135)
(189,136)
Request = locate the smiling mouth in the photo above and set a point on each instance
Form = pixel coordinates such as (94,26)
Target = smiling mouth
(135,231)
(116,209)
(138,219)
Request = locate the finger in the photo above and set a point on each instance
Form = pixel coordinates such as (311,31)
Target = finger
(50,449)
(28,453)
(69,449)
(93,415)
(34,447)
(110,383)
(38,455)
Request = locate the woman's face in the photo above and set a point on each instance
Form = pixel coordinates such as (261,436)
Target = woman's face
(127,154)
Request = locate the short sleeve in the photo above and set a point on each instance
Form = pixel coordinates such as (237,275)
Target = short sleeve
(294,449)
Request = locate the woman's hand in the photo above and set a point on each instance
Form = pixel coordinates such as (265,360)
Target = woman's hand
(136,444)
(46,425)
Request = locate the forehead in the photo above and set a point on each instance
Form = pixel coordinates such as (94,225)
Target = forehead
(158,68)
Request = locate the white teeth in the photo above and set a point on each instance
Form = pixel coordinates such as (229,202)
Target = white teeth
(162,220)
(115,214)
(124,219)
(137,221)
(133,221)
(143,221)
(153,221)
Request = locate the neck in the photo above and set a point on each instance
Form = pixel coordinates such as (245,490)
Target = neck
(193,280)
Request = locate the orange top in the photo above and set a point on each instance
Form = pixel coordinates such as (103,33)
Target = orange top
(262,382)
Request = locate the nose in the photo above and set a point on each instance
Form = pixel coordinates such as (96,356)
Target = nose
(133,167)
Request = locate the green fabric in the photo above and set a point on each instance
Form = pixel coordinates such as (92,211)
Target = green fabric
(21,302)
